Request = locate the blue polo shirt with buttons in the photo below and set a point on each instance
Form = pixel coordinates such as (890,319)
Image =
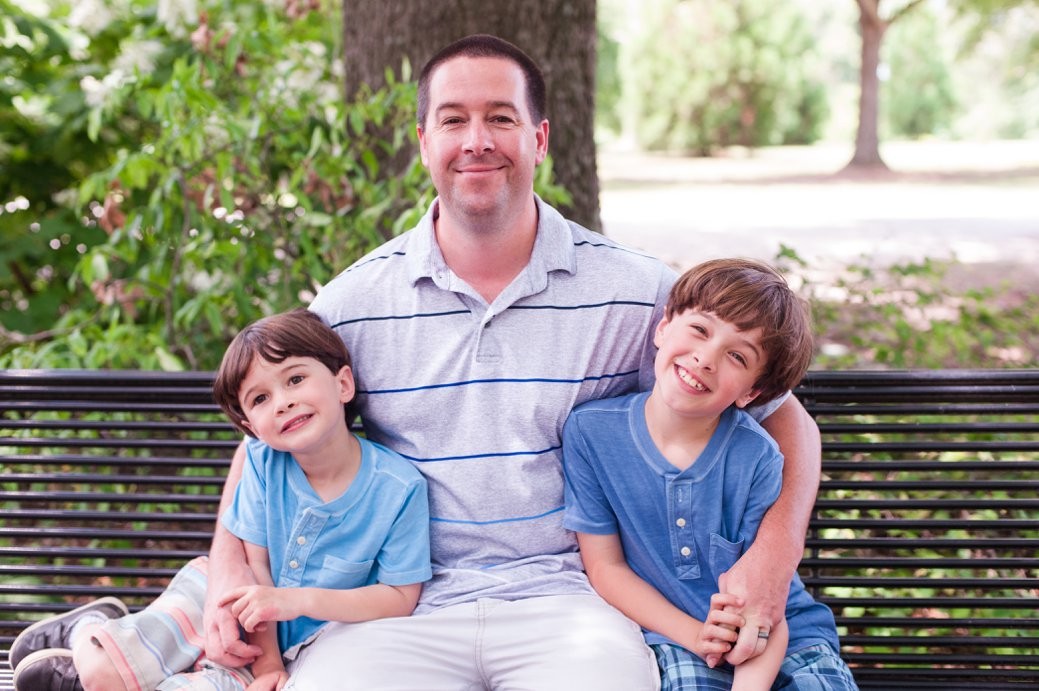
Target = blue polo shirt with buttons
(680,529)
(377,531)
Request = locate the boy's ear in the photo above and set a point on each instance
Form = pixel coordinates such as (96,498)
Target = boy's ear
(746,399)
(659,331)
(248,428)
(345,376)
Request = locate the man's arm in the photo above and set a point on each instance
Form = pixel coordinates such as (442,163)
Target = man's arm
(762,576)
(227,570)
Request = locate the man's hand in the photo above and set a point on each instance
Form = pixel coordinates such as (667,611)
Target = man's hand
(224,644)
(764,592)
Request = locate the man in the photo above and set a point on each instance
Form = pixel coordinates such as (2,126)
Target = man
(476,333)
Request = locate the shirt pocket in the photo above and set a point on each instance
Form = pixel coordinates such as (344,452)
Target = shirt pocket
(342,574)
(724,553)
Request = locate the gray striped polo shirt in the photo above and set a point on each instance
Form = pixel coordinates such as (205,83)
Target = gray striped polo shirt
(475,395)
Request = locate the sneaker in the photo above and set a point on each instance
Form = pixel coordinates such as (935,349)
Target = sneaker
(53,633)
(47,670)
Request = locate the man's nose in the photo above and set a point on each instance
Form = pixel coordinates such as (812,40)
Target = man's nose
(478,137)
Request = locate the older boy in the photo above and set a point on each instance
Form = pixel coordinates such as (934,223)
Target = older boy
(666,489)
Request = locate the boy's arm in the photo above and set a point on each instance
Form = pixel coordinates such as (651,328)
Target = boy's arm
(269,663)
(760,672)
(614,580)
(763,574)
(255,605)
(227,570)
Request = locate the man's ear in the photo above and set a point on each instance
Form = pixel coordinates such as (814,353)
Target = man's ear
(347,388)
(746,399)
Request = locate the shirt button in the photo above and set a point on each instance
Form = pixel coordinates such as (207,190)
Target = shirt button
(301,540)
(686,551)
(295,564)
(680,522)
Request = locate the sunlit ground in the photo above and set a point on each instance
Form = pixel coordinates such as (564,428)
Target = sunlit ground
(974,203)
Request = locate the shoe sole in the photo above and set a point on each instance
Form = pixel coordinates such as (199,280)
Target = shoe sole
(114,601)
(33,657)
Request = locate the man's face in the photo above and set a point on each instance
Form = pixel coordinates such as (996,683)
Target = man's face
(478,141)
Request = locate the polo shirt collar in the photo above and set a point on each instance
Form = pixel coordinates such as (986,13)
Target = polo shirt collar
(553,247)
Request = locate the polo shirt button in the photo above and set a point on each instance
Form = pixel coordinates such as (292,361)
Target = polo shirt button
(680,522)
(294,564)
(301,540)
(686,551)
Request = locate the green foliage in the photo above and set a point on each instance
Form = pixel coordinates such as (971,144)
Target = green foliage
(912,316)
(215,177)
(709,75)
(918,98)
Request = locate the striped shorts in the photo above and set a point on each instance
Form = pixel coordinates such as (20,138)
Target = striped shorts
(815,668)
(162,647)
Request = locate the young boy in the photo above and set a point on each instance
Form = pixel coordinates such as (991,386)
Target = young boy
(666,488)
(336,528)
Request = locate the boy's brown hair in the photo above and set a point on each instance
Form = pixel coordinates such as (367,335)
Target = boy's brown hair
(297,333)
(750,295)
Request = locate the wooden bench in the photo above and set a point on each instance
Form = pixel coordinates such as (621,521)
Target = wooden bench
(925,538)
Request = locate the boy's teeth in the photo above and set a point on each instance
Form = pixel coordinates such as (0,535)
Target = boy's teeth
(684,375)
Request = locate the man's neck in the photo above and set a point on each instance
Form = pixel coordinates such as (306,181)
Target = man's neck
(487,253)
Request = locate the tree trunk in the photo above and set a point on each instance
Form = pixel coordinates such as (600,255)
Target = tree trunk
(867,139)
(559,34)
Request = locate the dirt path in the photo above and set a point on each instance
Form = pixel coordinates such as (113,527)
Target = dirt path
(975,204)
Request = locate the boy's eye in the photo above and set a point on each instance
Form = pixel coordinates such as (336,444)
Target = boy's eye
(740,359)
(257,400)
(296,378)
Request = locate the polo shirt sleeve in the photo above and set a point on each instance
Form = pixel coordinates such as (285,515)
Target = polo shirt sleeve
(404,556)
(586,507)
(246,517)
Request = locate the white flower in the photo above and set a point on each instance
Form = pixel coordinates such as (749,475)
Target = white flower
(177,15)
(138,55)
(92,16)
(96,91)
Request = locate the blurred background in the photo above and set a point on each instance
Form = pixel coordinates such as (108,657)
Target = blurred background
(171,170)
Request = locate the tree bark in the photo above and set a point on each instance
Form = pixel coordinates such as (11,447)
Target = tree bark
(867,138)
(559,34)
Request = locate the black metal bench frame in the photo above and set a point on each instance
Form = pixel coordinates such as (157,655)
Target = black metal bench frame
(924,541)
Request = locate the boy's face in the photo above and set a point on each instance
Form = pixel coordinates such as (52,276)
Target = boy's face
(705,364)
(295,405)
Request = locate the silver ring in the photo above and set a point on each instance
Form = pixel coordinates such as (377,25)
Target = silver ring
(762,634)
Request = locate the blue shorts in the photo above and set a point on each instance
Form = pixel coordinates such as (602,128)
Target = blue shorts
(815,668)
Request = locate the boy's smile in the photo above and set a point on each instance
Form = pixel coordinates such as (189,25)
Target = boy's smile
(295,405)
(704,364)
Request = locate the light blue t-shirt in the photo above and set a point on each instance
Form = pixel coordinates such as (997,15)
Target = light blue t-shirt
(680,529)
(377,531)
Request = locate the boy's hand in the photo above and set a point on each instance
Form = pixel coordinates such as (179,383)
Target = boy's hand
(719,628)
(254,605)
(271,681)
